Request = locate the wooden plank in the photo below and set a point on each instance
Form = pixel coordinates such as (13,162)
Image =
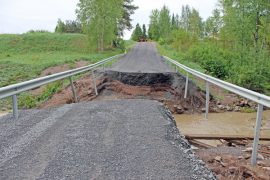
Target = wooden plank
(225,137)
(200,144)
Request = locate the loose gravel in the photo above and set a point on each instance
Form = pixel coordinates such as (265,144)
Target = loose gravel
(121,139)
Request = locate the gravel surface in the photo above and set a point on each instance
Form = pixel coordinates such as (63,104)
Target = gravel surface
(122,139)
(144,58)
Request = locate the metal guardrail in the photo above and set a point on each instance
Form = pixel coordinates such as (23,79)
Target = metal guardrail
(261,99)
(14,90)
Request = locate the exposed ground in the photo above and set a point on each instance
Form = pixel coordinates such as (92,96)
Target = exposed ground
(234,162)
(167,88)
(121,139)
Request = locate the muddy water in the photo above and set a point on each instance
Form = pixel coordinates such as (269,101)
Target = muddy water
(229,123)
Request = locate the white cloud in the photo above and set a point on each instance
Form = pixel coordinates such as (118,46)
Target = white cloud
(19,16)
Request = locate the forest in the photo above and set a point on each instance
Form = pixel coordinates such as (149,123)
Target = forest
(233,44)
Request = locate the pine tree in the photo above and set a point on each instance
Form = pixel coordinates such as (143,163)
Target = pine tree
(125,21)
(137,33)
(144,32)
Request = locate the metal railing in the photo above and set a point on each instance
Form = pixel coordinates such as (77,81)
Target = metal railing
(261,99)
(15,89)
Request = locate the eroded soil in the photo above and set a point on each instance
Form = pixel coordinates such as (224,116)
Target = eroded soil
(167,88)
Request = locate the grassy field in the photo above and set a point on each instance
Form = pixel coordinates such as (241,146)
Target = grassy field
(24,57)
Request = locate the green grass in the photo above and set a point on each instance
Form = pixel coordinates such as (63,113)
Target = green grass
(24,57)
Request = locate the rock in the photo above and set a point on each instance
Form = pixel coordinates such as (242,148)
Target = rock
(236,109)
(228,108)
(261,163)
(218,158)
(247,156)
(232,169)
(223,164)
(178,109)
(266,168)
(249,149)
(240,157)
(260,157)
(222,107)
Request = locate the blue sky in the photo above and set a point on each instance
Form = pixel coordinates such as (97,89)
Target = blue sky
(19,16)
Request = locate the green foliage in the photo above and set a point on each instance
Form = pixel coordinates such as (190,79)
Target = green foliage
(153,31)
(68,27)
(144,35)
(215,68)
(125,21)
(120,43)
(182,40)
(233,44)
(104,20)
(137,34)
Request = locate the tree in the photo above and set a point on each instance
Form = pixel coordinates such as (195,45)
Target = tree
(213,24)
(137,33)
(60,27)
(125,21)
(99,19)
(195,23)
(154,29)
(144,32)
(164,22)
(185,17)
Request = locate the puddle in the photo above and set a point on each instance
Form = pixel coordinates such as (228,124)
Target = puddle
(228,123)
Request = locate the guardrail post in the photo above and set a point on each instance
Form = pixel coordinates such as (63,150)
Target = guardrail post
(207,100)
(73,89)
(94,81)
(15,106)
(257,135)
(186,87)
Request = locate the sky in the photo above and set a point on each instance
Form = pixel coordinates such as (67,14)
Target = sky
(20,16)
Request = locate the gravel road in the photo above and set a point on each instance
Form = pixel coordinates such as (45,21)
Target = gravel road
(143,58)
(121,139)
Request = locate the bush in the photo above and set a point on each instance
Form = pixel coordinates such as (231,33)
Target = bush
(215,68)
(120,44)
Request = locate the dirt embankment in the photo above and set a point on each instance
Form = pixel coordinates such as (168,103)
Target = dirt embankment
(167,88)
(57,69)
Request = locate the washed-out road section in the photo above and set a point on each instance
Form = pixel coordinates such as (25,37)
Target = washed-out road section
(117,139)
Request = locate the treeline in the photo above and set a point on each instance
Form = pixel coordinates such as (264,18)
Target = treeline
(139,34)
(69,26)
(104,21)
(233,44)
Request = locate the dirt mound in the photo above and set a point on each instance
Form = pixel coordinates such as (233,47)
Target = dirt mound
(167,88)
